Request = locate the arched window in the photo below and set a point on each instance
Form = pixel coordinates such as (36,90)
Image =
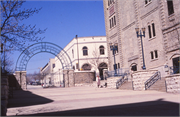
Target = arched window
(101,49)
(86,67)
(85,51)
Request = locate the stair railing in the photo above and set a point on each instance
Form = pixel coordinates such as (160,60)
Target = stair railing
(121,80)
(174,70)
(152,80)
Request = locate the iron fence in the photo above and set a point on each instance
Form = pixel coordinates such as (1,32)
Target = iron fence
(120,72)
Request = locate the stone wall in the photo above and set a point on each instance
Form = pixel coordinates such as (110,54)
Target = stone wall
(173,83)
(111,82)
(4,94)
(68,76)
(21,79)
(140,77)
(84,77)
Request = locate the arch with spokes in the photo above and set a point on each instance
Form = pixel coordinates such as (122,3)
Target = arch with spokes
(42,47)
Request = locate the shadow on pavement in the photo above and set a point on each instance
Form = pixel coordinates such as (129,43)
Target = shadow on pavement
(151,108)
(23,98)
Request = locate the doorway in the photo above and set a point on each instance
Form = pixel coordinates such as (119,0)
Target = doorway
(175,61)
(101,67)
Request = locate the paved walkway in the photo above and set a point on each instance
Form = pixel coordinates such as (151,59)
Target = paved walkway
(76,101)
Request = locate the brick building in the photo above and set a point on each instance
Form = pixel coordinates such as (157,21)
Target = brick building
(161,44)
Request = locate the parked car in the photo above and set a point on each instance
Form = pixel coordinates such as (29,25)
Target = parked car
(45,86)
(34,83)
(38,83)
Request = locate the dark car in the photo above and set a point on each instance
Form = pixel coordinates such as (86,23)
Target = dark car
(38,83)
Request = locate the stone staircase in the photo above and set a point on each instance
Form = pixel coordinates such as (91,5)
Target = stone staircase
(159,85)
(127,85)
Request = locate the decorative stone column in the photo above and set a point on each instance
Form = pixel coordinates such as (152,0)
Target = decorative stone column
(68,78)
(21,79)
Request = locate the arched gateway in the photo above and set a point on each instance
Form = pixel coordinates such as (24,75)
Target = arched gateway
(37,48)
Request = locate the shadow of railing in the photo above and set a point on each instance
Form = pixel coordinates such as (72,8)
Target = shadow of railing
(23,98)
(150,108)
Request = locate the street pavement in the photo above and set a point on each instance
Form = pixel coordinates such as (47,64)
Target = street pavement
(92,101)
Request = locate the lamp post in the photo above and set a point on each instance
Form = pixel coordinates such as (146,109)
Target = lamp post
(114,48)
(77,51)
(141,35)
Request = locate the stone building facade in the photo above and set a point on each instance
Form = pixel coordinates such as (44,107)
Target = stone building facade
(47,70)
(88,56)
(161,44)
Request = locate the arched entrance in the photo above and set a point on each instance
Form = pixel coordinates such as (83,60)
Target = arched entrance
(37,48)
(101,67)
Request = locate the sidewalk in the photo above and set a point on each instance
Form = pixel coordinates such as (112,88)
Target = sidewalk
(96,101)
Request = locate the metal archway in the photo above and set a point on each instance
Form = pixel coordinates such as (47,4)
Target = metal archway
(41,47)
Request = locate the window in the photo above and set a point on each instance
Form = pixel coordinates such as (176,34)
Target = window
(101,49)
(112,22)
(154,54)
(153,28)
(153,34)
(134,68)
(176,67)
(147,1)
(54,65)
(72,53)
(85,51)
(110,2)
(170,7)
(86,67)
(149,29)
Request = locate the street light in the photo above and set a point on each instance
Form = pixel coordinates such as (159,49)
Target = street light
(141,35)
(114,48)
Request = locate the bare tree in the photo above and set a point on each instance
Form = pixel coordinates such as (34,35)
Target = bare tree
(14,34)
(9,63)
(95,62)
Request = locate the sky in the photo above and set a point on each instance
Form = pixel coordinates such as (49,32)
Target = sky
(63,20)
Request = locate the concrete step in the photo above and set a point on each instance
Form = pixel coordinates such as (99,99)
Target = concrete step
(159,85)
(126,86)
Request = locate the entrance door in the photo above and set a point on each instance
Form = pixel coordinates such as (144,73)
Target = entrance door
(176,69)
(101,67)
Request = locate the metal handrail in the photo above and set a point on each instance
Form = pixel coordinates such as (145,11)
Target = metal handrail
(121,80)
(152,80)
(174,70)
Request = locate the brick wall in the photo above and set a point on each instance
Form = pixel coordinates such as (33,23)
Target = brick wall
(173,83)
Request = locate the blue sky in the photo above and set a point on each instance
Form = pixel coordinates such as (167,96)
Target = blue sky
(63,20)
